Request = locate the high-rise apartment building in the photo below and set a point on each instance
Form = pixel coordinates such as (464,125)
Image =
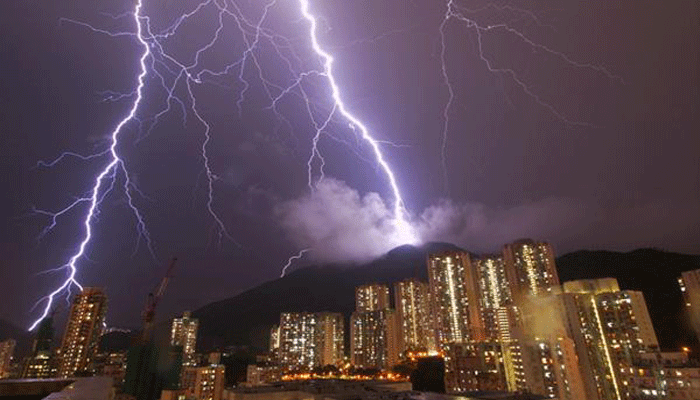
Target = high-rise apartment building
(509,331)
(307,340)
(689,283)
(473,367)
(662,375)
(611,328)
(7,350)
(454,296)
(493,283)
(330,338)
(412,301)
(183,332)
(539,359)
(530,268)
(495,291)
(374,334)
(374,339)
(83,331)
(371,297)
(298,340)
(274,340)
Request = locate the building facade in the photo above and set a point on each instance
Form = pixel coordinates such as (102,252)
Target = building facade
(372,297)
(374,339)
(183,332)
(83,330)
(298,340)
(41,363)
(550,368)
(530,268)
(454,296)
(662,375)
(495,291)
(274,339)
(374,331)
(203,383)
(474,367)
(611,328)
(7,351)
(493,282)
(307,340)
(412,301)
(330,338)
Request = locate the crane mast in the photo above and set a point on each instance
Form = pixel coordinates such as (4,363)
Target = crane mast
(149,311)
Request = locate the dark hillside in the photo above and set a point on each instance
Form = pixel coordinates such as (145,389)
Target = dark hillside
(245,319)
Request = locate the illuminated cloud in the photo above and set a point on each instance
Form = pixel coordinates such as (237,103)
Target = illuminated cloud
(340,224)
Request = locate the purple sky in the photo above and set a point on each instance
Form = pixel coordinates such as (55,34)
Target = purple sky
(626,177)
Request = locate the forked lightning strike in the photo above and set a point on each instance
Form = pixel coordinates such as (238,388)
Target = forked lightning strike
(404,229)
(178,79)
(175,76)
(108,173)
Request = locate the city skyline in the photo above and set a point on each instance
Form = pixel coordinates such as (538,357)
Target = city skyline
(576,340)
(497,322)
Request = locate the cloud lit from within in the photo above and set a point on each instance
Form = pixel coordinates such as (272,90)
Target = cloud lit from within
(342,225)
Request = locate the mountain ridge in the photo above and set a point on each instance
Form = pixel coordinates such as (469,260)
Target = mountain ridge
(245,319)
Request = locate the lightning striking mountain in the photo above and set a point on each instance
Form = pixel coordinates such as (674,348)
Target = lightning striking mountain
(307,69)
(177,79)
(291,260)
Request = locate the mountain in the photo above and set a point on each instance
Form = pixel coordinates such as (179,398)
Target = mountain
(245,319)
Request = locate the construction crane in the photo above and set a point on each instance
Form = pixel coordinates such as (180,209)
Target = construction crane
(149,368)
(149,312)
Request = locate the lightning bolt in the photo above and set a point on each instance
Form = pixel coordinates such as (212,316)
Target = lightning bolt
(178,79)
(454,12)
(114,166)
(404,228)
(292,259)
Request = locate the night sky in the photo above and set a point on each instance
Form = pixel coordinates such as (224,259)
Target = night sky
(582,158)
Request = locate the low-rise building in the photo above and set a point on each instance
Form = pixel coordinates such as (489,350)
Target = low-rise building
(203,383)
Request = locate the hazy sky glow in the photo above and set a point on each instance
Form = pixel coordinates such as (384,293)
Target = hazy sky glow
(541,142)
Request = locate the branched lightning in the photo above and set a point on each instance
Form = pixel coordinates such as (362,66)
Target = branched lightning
(460,14)
(108,174)
(292,259)
(404,228)
(178,80)
(301,79)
